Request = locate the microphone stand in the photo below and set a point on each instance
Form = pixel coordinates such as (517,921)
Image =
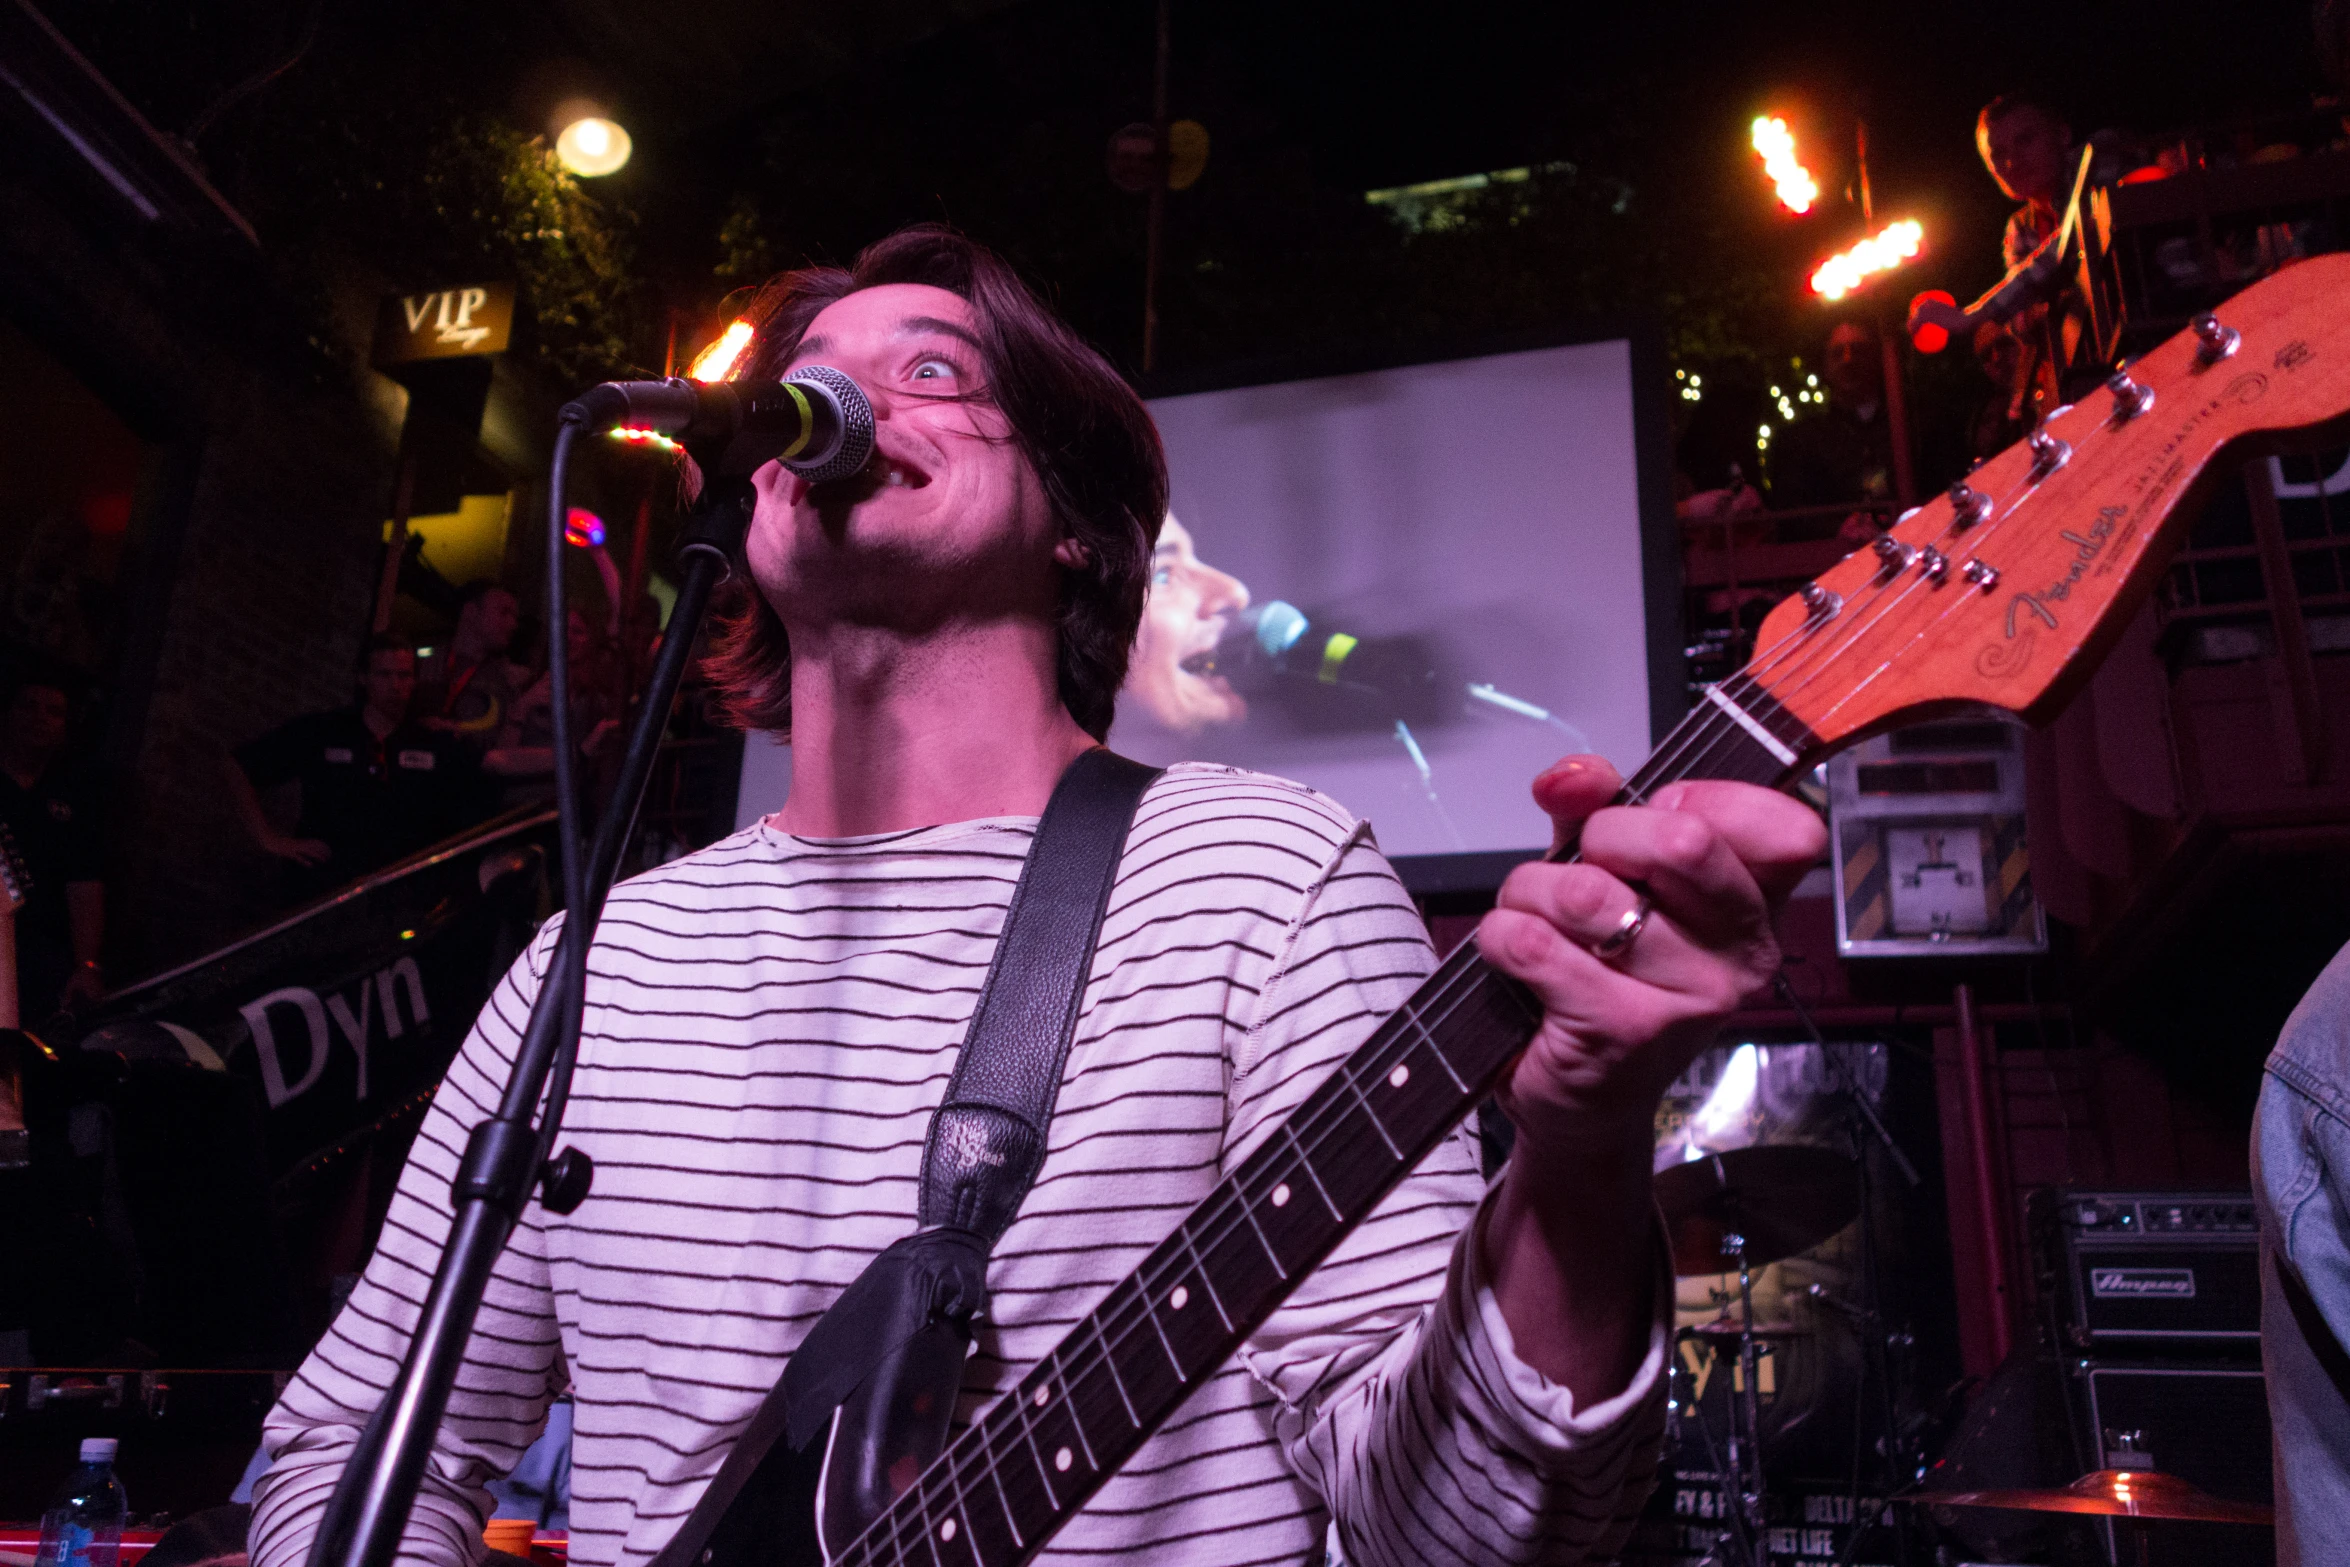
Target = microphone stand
(507,1155)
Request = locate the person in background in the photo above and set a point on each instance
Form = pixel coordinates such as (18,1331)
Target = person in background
(375,782)
(1995,427)
(2030,152)
(1845,452)
(2301,1187)
(469,689)
(62,927)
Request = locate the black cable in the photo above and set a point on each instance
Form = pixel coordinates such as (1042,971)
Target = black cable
(569,971)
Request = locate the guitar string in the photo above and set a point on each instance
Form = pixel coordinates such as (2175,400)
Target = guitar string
(1234,1198)
(1120,1327)
(2012,506)
(1796,643)
(1131,1319)
(1924,631)
(1903,585)
(1130,1316)
(1710,733)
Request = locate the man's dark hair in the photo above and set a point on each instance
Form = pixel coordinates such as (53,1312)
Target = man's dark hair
(2008,103)
(1090,440)
(480,588)
(387,642)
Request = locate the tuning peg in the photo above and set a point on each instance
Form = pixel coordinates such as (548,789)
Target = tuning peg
(2130,398)
(1891,552)
(1933,565)
(2214,342)
(2049,453)
(1820,603)
(1981,573)
(1968,505)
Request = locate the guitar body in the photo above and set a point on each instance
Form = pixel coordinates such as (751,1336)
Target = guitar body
(2002,593)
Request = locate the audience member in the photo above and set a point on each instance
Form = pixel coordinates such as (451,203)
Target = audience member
(2029,150)
(63,925)
(2301,1187)
(1844,452)
(375,782)
(468,689)
(1996,427)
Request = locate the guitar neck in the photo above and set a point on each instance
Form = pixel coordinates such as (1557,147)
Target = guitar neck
(1000,1490)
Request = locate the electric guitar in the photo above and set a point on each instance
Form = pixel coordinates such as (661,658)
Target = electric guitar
(2003,593)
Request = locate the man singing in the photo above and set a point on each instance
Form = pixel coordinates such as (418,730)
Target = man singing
(1475,1376)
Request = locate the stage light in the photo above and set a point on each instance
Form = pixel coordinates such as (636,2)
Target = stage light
(592,146)
(582,529)
(1839,275)
(714,362)
(1776,143)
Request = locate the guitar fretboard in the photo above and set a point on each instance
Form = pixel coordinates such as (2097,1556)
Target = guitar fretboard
(1001,1489)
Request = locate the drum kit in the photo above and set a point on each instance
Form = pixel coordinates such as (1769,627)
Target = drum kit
(1745,1209)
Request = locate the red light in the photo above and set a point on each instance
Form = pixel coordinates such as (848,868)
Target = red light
(582,528)
(1929,338)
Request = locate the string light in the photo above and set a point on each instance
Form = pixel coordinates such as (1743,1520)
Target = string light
(1839,275)
(652,438)
(1797,189)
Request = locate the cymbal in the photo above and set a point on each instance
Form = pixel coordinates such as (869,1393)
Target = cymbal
(1782,1200)
(2112,1493)
(1728,1327)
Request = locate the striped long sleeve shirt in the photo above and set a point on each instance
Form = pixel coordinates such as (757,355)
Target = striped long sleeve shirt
(770,1024)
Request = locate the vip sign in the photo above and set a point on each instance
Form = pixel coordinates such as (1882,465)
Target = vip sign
(448,323)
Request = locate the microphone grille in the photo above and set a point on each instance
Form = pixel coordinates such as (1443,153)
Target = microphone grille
(1279,625)
(855,448)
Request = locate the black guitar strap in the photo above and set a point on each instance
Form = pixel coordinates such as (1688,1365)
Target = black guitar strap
(888,1357)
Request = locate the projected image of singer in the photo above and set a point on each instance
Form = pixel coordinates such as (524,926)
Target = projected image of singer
(1208,657)
(1217,676)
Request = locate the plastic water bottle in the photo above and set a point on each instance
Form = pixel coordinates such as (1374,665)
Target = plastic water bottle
(83,1527)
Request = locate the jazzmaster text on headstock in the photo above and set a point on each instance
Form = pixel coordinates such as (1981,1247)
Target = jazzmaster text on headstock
(2094,548)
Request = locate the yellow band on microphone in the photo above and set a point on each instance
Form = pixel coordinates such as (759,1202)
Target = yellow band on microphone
(807,422)
(1334,654)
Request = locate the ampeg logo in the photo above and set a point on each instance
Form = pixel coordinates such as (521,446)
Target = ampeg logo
(2142,1283)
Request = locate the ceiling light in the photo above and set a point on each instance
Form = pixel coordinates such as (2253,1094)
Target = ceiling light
(592,146)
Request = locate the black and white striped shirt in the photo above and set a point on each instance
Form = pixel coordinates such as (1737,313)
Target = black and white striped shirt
(769,1026)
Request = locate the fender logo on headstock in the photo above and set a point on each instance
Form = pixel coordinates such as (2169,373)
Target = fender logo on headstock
(2087,547)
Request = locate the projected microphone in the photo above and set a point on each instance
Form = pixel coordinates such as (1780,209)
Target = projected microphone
(816,422)
(1273,648)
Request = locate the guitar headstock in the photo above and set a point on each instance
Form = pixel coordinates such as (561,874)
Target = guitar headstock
(2006,590)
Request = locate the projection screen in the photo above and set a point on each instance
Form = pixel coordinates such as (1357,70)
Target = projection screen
(1411,587)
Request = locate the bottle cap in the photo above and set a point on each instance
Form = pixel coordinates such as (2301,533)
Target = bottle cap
(511,1535)
(98,1449)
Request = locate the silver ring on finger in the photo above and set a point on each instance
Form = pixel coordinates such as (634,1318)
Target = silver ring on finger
(1619,941)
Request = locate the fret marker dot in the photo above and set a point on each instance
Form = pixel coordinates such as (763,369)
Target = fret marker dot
(1044,1396)
(946,1531)
(1400,1076)
(1180,1298)
(1281,1194)
(1062,1460)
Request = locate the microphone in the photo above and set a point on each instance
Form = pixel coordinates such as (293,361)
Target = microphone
(1273,648)
(816,422)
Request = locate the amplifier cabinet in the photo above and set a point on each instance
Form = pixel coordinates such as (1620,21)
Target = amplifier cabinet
(2208,1424)
(2151,1273)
